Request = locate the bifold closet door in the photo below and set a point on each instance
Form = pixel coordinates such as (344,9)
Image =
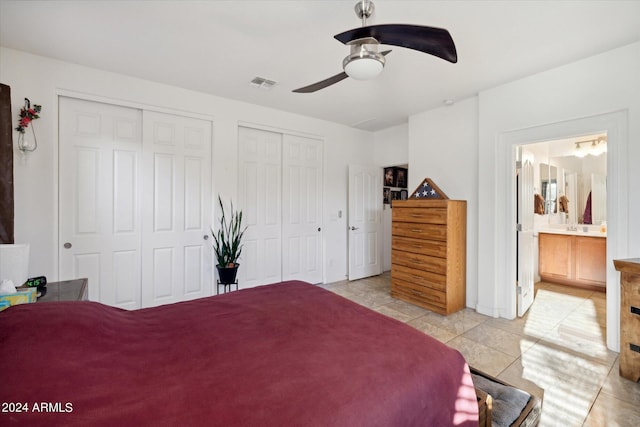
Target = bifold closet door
(99,199)
(135,203)
(280,192)
(176,209)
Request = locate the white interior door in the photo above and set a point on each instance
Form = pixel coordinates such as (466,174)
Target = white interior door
(99,199)
(525,236)
(301,209)
(260,197)
(365,225)
(176,209)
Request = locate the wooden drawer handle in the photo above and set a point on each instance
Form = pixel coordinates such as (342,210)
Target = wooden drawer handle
(634,347)
(417,246)
(416,230)
(635,310)
(418,293)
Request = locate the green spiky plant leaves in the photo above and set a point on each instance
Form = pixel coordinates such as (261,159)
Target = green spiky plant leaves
(227,241)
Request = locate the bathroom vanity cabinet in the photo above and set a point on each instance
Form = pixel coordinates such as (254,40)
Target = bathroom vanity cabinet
(572,259)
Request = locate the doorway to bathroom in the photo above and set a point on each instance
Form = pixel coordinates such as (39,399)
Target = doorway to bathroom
(561,215)
(615,125)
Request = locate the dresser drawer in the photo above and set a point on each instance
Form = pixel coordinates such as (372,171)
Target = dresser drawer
(420,262)
(630,324)
(630,344)
(428,216)
(629,318)
(419,246)
(420,278)
(429,298)
(630,290)
(421,231)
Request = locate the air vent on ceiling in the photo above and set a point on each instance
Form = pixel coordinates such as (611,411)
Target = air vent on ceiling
(262,83)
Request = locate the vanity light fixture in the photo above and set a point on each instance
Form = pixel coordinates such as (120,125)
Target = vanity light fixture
(580,151)
(596,147)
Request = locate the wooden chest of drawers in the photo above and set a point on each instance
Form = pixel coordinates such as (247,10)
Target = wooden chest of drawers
(428,253)
(629,317)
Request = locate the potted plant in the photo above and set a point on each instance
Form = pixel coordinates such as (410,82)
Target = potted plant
(227,243)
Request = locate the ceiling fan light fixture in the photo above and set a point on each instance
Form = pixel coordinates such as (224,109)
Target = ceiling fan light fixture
(363,68)
(363,64)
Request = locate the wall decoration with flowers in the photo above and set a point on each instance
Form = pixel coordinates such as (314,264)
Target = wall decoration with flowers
(27,141)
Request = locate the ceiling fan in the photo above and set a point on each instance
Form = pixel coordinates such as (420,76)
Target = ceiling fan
(365,62)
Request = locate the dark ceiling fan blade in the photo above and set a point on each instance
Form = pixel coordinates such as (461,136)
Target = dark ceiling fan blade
(324,83)
(431,40)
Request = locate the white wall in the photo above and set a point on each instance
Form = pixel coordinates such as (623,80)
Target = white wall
(600,91)
(391,149)
(36,201)
(443,146)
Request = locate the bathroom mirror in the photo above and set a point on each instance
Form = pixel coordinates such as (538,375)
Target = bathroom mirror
(584,183)
(569,180)
(598,198)
(549,187)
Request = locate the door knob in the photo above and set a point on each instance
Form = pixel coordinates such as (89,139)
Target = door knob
(205,237)
(353,228)
(67,245)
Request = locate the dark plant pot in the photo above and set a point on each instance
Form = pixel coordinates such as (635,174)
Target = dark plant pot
(228,274)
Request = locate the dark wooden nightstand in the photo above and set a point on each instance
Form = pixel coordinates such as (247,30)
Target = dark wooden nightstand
(68,290)
(629,317)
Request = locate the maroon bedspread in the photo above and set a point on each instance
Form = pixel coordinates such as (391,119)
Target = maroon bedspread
(289,354)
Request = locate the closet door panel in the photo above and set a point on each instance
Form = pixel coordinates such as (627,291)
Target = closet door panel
(163,194)
(302,209)
(125,191)
(259,196)
(176,208)
(99,221)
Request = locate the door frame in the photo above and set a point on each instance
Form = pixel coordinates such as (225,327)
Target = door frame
(615,124)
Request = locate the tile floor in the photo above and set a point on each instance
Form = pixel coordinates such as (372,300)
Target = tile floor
(557,350)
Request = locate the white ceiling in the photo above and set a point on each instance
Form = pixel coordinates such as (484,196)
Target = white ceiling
(217,47)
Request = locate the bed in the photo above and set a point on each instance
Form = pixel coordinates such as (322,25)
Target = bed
(287,354)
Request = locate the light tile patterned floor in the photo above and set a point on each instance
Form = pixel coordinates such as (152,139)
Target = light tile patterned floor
(557,351)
